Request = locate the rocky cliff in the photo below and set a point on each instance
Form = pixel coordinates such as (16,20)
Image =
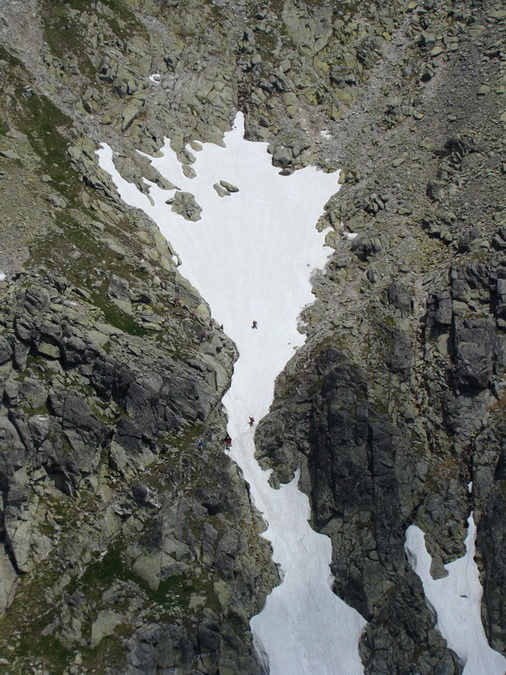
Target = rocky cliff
(126,547)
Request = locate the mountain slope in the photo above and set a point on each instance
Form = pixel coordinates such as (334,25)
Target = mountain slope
(120,538)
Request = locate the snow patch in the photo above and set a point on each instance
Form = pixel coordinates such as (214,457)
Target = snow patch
(155,78)
(251,258)
(456,599)
(325,133)
(2,276)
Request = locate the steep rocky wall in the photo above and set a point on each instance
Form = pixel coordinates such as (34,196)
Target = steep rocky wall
(394,407)
(117,529)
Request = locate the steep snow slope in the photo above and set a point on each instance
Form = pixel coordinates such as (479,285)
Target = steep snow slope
(251,256)
(457,601)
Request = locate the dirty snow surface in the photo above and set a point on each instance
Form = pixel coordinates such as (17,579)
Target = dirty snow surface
(251,256)
(457,601)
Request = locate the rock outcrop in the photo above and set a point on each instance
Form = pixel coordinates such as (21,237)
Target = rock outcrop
(108,502)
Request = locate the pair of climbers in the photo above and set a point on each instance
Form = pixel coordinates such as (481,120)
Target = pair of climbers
(228,440)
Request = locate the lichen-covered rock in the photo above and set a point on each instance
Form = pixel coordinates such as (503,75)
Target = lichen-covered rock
(184,203)
(119,534)
(76,445)
(475,347)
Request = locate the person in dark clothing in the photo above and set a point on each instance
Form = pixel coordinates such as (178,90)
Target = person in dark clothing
(251,421)
(254,324)
(228,441)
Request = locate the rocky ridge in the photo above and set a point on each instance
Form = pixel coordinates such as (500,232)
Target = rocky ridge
(108,503)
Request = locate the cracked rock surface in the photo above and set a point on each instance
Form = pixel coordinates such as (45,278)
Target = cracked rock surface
(125,547)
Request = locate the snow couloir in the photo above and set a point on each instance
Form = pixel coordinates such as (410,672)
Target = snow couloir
(251,257)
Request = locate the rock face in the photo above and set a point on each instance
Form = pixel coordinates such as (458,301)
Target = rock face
(394,407)
(124,545)
(108,503)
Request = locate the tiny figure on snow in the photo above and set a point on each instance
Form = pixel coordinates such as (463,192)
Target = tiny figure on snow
(228,441)
(251,421)
(254,324)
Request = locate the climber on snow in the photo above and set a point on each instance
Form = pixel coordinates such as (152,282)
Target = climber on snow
(254,324)
(251,421)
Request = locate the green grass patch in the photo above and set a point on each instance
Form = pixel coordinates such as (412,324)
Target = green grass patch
(63,33)
(101,573)
(47,127)
(115,317)
(173,592)
(23,629)
(56,250)
(46,652)
(110,652)
(45,647)
(176,590)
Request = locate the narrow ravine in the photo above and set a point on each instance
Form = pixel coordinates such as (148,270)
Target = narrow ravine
(251,257)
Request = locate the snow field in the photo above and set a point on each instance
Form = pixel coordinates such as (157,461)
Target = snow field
(456,599)
(251,256)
